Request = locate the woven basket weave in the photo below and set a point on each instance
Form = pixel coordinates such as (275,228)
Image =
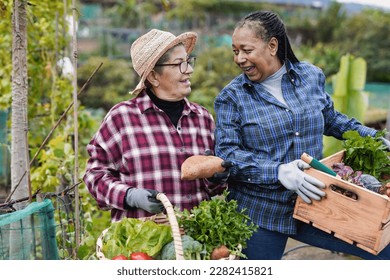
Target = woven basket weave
(170,219)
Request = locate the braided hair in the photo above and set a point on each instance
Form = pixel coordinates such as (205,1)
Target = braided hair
(266,25)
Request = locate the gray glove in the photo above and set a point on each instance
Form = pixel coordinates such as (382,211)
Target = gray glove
(144,199)
(294,179)
(385,142)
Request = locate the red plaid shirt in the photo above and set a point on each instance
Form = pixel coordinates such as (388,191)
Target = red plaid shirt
(138,146)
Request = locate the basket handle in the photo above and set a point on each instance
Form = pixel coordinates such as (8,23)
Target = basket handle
(174,225)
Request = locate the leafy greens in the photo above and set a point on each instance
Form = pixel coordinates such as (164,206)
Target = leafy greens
(218,222)
(133,235)
(367,154)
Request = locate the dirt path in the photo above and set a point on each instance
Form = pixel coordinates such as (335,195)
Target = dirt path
(296,250)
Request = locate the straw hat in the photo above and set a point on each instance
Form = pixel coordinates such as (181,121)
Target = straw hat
(147,50)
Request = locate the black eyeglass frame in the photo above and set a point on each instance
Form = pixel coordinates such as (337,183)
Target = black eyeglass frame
(190,61)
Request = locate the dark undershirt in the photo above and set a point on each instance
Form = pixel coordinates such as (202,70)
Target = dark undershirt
(172,108)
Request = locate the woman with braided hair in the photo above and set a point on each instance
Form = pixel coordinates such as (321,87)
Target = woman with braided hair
(266,118)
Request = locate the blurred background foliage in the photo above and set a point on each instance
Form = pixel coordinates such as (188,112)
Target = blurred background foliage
(111,83)
(320,36)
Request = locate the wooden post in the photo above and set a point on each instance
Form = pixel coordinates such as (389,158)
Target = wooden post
(75,114)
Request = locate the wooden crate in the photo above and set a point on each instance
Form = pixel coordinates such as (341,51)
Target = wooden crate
(361,219)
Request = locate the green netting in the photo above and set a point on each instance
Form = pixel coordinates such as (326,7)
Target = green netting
(4,150)
(378,94)
(29,234)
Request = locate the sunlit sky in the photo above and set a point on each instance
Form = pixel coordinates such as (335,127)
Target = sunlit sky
(382,3)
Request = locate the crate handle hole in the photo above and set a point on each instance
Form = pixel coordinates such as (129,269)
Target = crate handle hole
(340,190)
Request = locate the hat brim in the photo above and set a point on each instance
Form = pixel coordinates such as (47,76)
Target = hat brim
(188,39)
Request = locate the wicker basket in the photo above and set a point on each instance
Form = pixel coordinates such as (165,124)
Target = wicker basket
(169,218)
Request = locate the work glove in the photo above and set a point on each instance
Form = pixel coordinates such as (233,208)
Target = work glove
(144,199)
(221,177)
(218,179)
(293,178)
(385,142)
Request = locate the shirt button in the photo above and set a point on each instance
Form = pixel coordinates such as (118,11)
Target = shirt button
(182,150)
(178,128)
(249,179)
(297,133)
(293,201)
(287,110)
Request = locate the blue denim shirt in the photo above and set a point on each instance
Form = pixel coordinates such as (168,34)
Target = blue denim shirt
(258,133)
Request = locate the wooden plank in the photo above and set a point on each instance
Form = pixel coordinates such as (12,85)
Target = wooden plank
(384,239)
(322,228)
(367,249)
(350,241)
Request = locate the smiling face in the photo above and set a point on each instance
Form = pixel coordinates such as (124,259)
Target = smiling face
(256,58)
(167,82)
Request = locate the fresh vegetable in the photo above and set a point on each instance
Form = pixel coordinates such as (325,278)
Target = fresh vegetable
(133,235)
(220,252)
(386,189)
(370,182)
(347,173)
(218,222)
(140,256)
(356,177)
(366,154)
(200,166)
(119,257)
(192,249)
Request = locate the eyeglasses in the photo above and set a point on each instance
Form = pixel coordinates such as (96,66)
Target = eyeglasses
(183,66)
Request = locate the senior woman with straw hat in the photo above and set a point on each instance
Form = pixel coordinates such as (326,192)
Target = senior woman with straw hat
(142,142)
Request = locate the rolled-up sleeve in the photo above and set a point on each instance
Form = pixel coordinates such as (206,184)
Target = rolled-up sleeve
(249,167)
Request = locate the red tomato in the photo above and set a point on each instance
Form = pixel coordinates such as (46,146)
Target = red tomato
(119,257)
(140,256)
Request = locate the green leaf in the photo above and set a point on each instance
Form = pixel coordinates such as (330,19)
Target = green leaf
(133,235)
(217,222)
(367,154)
